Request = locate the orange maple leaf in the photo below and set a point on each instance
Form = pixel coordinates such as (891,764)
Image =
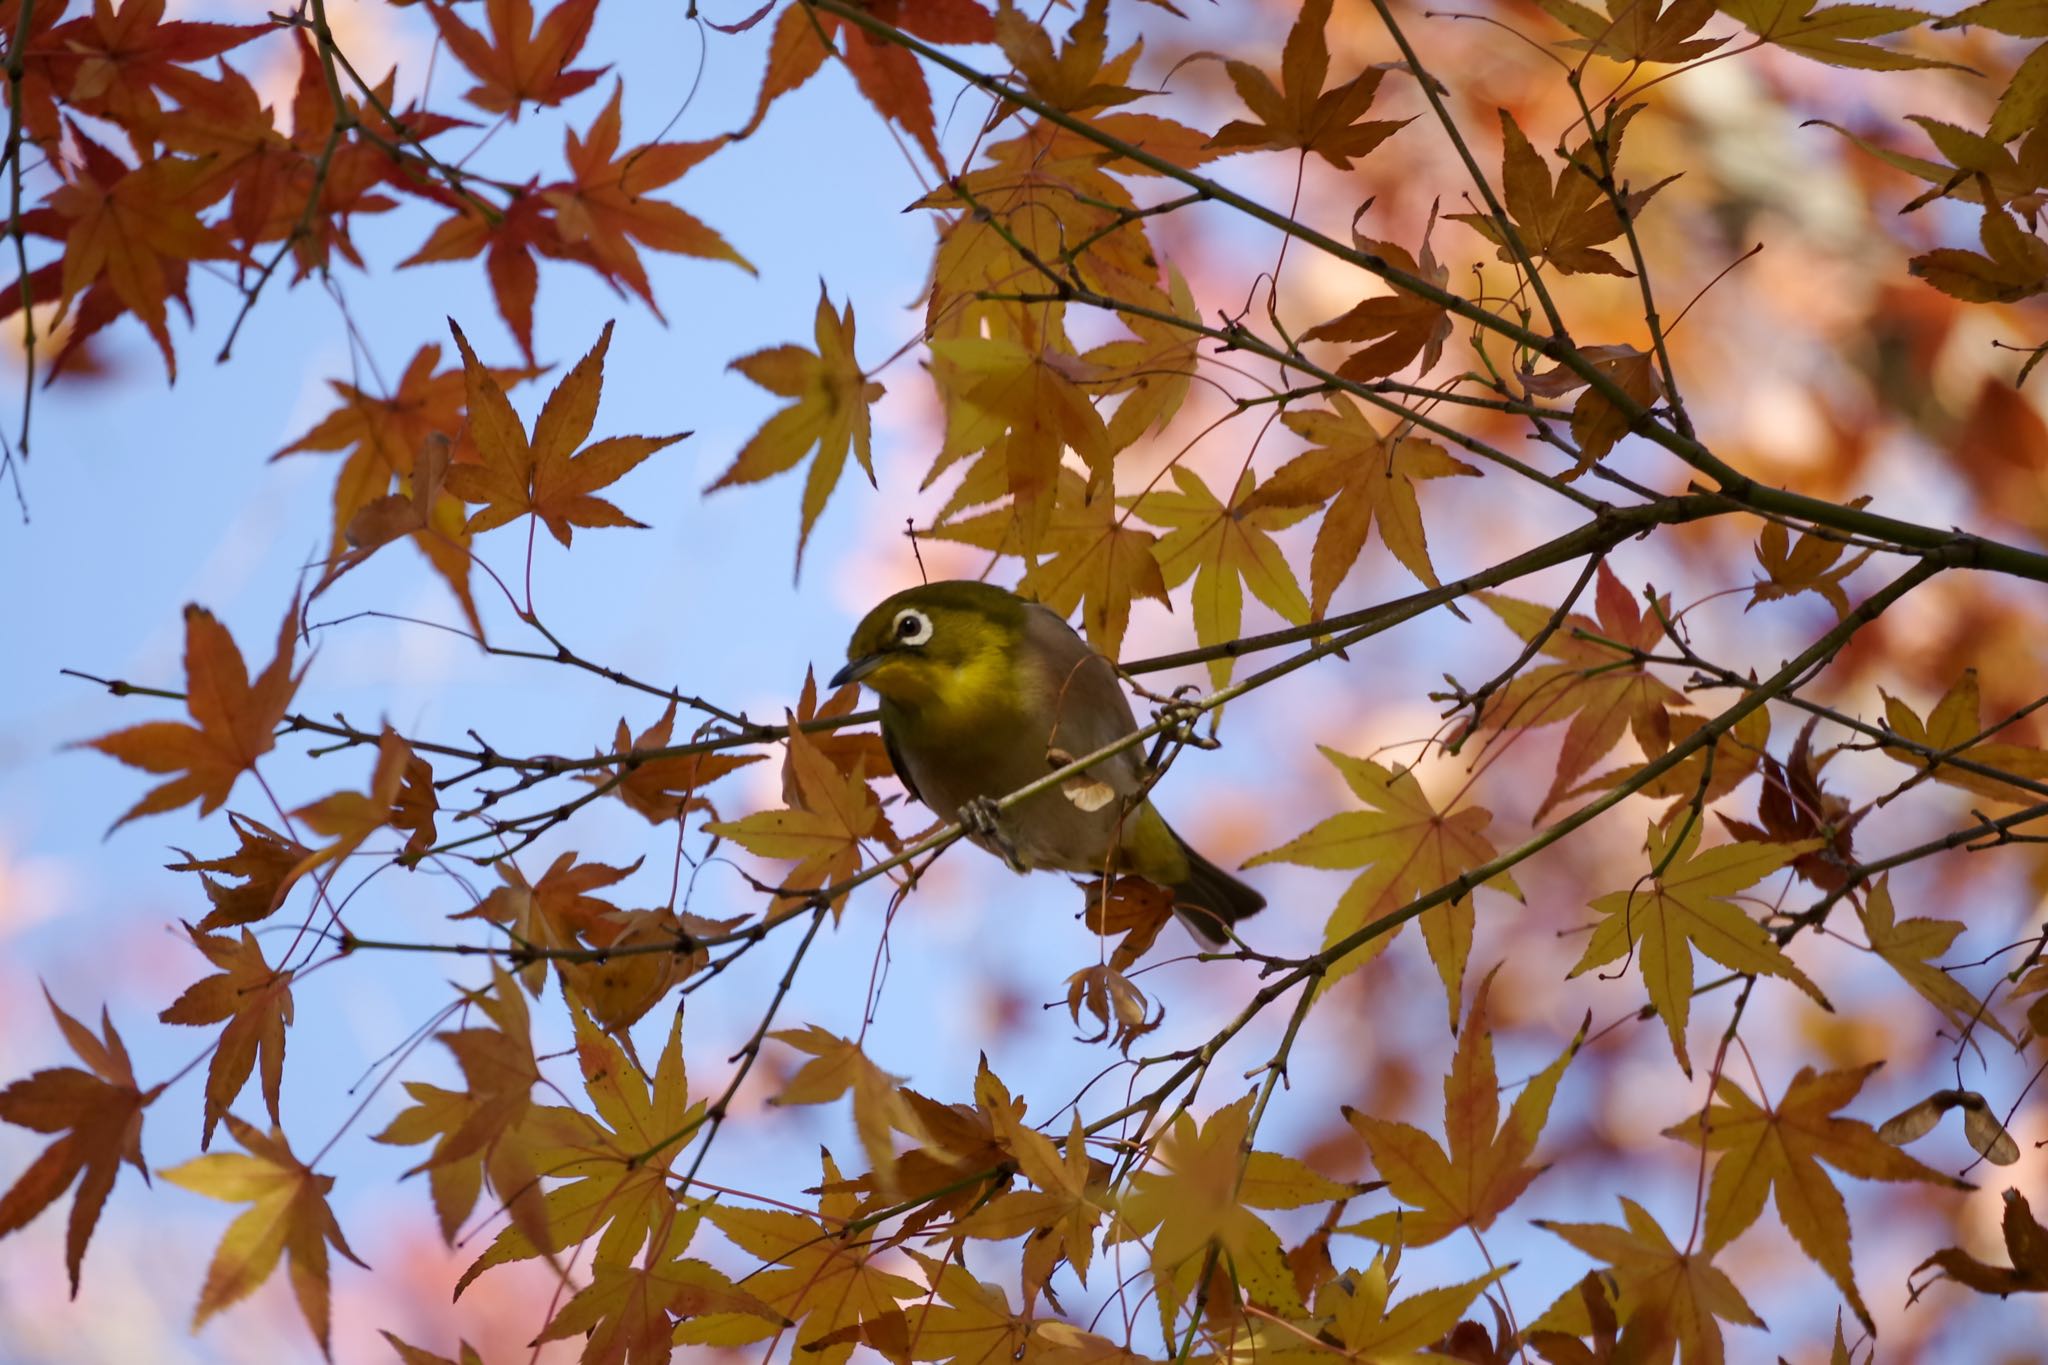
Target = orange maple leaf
(255,1001)
(411,437)
(1090,558)
(289,1216)
(1592,682)
(134,229)
(662,789)
(1025,405)
(1074,79)
(476,1131)
(1478,1172)
(551,912)
(236,720)
(1401,326)
(116,62)
(518,63)
(100,1114)
(350,817)
(1202,1196)
(821,830)
(545,476)
(836,1066)
(830,413)
(1955,726)
(1064,1210)
(1637,30)
(1301,114)
(628,1311)
(616,1165)
(604,207)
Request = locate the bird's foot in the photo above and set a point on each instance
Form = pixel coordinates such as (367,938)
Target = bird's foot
(983,824)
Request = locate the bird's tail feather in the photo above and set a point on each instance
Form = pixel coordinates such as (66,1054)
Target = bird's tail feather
(1211,899)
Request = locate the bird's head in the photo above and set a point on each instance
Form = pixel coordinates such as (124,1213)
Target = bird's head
(921,643)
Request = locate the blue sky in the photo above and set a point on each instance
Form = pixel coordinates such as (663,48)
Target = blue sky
(144,497)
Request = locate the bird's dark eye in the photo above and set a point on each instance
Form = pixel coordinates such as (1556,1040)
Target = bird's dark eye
(913,627)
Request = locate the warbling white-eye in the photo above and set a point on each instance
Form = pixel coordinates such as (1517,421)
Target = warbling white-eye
(983,692)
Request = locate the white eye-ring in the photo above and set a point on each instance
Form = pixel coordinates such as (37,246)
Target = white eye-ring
(912,627)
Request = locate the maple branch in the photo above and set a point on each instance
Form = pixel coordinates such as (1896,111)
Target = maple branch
(17,60)
(1533,646)
(1963,549)
(331,56)
(1234,336)
(1887,738)
(1617,199)
(344,120)
(1495,210)
(1822,649)
(1858,873)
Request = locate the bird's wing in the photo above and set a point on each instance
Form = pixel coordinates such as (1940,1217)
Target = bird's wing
(1084,703)
(896,762)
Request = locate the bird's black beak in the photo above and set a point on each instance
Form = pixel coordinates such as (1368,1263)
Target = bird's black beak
(856,669)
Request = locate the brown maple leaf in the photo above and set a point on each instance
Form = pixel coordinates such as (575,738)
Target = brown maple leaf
(1794,807)
(254,1000)
(1300,113)
(1477,1172)
(100,1114)
(1597,421)
(235,720)
(1562,219)
(262,862)
(1591,682)
(2026,1243)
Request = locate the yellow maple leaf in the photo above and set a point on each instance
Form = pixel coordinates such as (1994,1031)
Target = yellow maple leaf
(1778,1151)
(821,831)
(1686,905)
(1405,847)
(287,1216)
(1225,548)
(829,415)
(1681,1293)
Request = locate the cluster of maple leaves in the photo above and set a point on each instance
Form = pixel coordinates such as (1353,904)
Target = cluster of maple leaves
(1056,215)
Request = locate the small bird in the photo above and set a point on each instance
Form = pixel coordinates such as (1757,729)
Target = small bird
(982,692)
